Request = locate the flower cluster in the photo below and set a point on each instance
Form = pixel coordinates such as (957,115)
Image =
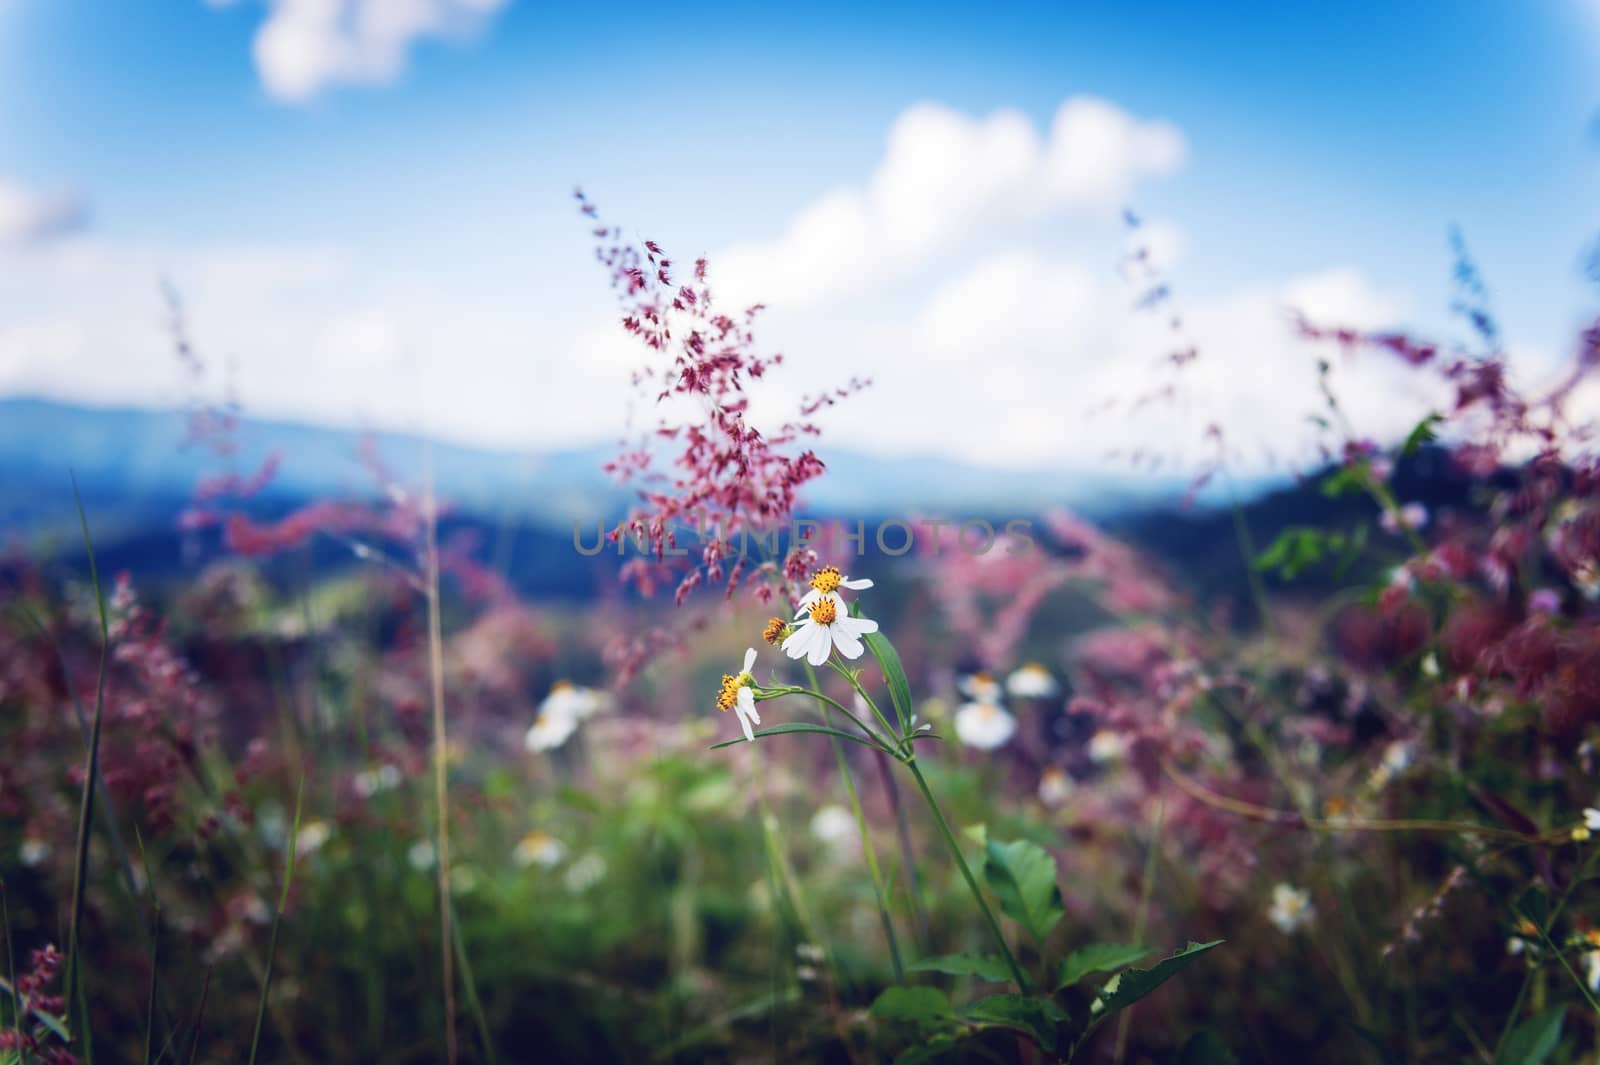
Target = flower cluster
(724,477)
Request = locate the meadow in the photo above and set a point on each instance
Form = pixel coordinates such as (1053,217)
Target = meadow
(1030,790)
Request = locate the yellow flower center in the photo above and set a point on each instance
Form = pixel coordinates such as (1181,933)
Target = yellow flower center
(827,579)
(1527,927)
(561,686)
(1334,806)
(729,695)
(824,612)
(774,630)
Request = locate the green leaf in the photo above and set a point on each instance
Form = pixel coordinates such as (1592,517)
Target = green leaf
(984,966)
(1347,480)
(894,675)
(800,726)
(1023,875)
(1423,434)
(1037,1017)
(1295,550)
(1097,957)
(1134,984)
(1534,1040)
(1204,1048)
(923,1009)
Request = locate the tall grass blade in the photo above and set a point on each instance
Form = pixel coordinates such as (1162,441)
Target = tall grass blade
(277,922)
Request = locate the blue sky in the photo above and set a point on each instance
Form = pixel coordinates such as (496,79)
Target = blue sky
(406,219)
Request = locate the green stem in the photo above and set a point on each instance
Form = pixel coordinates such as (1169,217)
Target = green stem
(856,684)
(865,832)
(821,698)
(972,882)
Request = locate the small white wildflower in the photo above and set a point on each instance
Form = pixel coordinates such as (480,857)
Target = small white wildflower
(554,726)
(1430,666)
(463,879)
(827,581)
(573,700)
(1108,746)
(984,725)
(738,695)
(833,825)
(540,848)
(1291,908)
(1055,787)
(311,837)
(421,856)
(33,852)
(825,625)
(1398,756)
(980,687)
(1032,681)
(1591,819)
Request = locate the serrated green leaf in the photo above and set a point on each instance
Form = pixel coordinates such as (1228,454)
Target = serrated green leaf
(894,675)
(1534,1040)
(1023,875)
(1097,957)
(984,966)
(800,726)
(1036,1017)
(1134,984)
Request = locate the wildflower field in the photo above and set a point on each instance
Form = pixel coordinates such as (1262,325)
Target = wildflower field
(1254,764)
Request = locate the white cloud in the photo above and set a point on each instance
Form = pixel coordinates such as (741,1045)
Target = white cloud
(943,176)
(306,46)
(29,216)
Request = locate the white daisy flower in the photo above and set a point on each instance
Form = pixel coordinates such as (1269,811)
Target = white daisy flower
(827,581)
(826,625)
(1055,787)
(1108,746)
(539,847)
(1398,756)
(1291,908)
(33,852)
(738,695)
(554,726)
(833,825)
(1031,681)
(421,856)
(573,700)
(980,688)
(311,837)
(984,725)
(1525,940)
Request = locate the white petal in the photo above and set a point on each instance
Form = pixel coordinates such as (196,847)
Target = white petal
(806,600)
(749,660)
(847,643)
(856,585)
(795,644)
(746,704)
(821,646)
(857,626)
(744,723)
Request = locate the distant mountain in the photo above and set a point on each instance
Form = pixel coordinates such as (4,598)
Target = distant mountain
(136,465)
